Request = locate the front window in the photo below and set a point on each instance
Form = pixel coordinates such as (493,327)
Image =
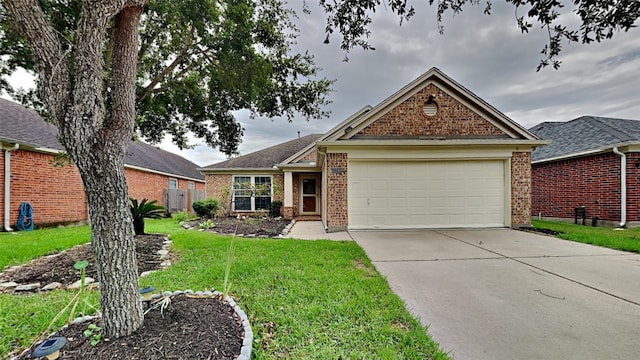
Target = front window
(251,193)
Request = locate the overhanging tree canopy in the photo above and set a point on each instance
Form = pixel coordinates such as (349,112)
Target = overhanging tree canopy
(599,19)
(198,62)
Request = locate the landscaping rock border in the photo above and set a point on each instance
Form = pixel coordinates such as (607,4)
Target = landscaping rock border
(247,341)
(282,234)
(13,287)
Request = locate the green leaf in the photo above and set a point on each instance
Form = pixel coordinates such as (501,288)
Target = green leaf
(82,264)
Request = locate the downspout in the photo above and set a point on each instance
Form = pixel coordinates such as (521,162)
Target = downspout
(7,186)
(623,186)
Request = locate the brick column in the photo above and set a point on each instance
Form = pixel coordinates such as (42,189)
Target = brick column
(337,206)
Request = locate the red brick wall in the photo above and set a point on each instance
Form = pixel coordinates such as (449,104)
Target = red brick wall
(337,203)
(150,185)
(591,181)
(452,118)
(57,193)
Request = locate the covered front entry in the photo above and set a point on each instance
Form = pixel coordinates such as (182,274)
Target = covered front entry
(427,194)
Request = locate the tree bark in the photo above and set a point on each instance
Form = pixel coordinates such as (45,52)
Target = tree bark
(73,87)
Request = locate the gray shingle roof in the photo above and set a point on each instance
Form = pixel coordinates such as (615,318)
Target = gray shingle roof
(583,134)
(266,158)
(24,126)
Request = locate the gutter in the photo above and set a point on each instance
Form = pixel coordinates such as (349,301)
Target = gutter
(7,187)
(623,186)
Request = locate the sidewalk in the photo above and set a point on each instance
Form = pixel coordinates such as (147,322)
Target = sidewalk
(313,230)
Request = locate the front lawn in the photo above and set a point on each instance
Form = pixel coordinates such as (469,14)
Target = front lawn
(22,246)
(305,299)
(626,240)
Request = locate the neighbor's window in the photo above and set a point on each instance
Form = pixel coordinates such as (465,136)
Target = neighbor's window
(191,185)
(251,193)
(173,183)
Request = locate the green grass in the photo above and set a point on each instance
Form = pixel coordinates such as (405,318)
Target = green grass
(626,240)
(304,299)
(21,246)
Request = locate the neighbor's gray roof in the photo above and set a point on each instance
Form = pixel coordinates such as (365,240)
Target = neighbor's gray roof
(583,134)
(24,126)
(266,158)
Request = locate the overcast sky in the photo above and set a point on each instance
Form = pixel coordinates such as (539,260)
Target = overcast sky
(486,54)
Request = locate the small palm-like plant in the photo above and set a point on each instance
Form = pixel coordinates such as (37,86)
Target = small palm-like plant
(144,210)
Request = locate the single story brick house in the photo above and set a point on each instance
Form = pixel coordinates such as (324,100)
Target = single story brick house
(432,155)
(592,162)
(28,147)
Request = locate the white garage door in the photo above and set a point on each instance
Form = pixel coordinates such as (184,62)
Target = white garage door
(434,194)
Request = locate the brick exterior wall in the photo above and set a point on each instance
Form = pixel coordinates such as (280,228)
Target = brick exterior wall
(296,195)
(148,185)
(452,118)
(57,193)
(337,205)
(520,189)
(590,181)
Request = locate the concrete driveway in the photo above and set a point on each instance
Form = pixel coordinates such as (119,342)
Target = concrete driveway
(504,294)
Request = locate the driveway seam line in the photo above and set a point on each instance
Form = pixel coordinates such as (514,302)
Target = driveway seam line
(544,270)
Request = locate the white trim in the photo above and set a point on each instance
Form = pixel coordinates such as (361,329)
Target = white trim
(315,177)
(252,197)
(288,189)
(7,185)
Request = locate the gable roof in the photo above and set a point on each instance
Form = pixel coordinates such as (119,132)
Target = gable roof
(24,126)
(266,158)
(435,76)
(583,135)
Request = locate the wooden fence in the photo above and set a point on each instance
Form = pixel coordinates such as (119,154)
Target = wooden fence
(176,200)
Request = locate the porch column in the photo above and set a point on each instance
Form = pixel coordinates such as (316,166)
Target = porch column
(288,195)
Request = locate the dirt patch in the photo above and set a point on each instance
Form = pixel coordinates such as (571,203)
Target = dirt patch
(59,267)
(187,329)
(542,231)
(246,226)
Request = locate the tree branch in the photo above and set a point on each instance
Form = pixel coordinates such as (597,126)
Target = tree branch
(47,50)
(121,122)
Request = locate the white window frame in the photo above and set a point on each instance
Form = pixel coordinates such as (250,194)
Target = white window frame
(171,180)
(191,185)
(252,196)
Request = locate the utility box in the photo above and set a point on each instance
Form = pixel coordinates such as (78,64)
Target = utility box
(580,213)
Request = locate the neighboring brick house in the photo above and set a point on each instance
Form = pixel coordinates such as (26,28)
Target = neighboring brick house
(433,155)
(592,162)
(28,149)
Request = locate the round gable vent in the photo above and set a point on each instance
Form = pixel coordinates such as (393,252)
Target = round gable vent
(430,108)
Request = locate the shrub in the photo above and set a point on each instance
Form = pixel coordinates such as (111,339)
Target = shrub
(180,216)
(274,209)
(207,207)
(144,210)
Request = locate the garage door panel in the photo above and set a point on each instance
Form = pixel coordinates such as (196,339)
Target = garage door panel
(426,194)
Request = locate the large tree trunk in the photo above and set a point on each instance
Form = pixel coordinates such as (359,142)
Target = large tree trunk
(73,87)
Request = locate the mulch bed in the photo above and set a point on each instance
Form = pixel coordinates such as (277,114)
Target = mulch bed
(59,267)
(253,226)
(189,328)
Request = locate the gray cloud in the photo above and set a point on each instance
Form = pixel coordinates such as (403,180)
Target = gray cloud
(486,54)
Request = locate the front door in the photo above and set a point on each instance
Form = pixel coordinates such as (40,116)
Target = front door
(309,199)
